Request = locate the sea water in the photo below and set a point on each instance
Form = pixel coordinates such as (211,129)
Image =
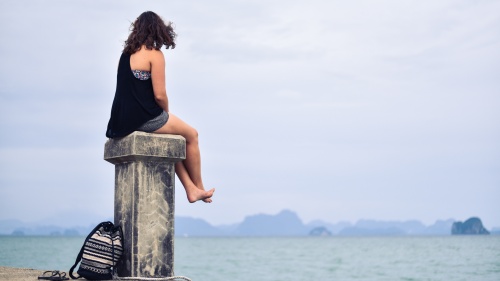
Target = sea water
(299,258)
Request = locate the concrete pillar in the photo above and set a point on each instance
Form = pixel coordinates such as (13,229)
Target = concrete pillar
(144,200)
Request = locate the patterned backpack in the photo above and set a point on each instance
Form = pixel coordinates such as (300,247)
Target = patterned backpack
(100,252)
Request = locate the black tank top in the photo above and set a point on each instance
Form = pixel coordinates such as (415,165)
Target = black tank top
(134,102)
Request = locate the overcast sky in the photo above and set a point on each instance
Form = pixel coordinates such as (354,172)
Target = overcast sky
(338,110)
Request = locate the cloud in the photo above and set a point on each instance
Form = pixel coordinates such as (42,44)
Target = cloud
(337,110)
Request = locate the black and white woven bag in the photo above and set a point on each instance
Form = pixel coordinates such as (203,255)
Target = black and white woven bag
(100,252)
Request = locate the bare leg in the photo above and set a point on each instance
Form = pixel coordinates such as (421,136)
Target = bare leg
(189,170)
(192,191)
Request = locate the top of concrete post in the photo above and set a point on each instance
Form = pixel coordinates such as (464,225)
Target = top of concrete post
(141,146)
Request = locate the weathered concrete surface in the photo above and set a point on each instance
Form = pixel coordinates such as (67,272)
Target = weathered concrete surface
(144,200)
(19,274)
(24,274)
(145,147)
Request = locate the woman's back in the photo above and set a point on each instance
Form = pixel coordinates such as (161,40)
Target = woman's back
(134,103)
(141,60)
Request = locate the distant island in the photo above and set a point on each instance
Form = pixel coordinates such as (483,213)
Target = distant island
(472,226)
(284,223)
(320,231)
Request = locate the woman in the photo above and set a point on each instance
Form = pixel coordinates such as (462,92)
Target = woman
(141,102)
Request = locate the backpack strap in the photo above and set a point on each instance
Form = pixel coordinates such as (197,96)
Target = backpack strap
(80,255)
(120,233)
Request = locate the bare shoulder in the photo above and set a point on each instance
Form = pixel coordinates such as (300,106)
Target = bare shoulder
(155,55)
(145,59)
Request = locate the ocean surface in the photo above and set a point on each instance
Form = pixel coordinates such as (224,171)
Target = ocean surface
(300,258)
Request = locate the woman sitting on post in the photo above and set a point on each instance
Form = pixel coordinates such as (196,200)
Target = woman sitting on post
(141,103)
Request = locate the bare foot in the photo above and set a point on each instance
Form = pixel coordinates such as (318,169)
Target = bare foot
(195,194)
(206,200)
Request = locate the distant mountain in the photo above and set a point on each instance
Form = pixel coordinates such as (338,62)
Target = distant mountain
(334,228)
(285,223)
(186,226)
(228,229)
(359,231)
(18,228)
(320,231)
(404,227)
(410,227)
(440,227)
(472,226)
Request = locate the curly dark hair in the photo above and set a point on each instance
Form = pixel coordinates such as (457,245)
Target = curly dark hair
(149,30)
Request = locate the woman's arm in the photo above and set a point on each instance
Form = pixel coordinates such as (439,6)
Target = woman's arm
(158,78)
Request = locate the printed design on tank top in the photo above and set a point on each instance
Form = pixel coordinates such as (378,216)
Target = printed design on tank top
(141,74)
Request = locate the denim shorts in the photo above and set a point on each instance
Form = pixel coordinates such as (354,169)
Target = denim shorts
(155,123)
